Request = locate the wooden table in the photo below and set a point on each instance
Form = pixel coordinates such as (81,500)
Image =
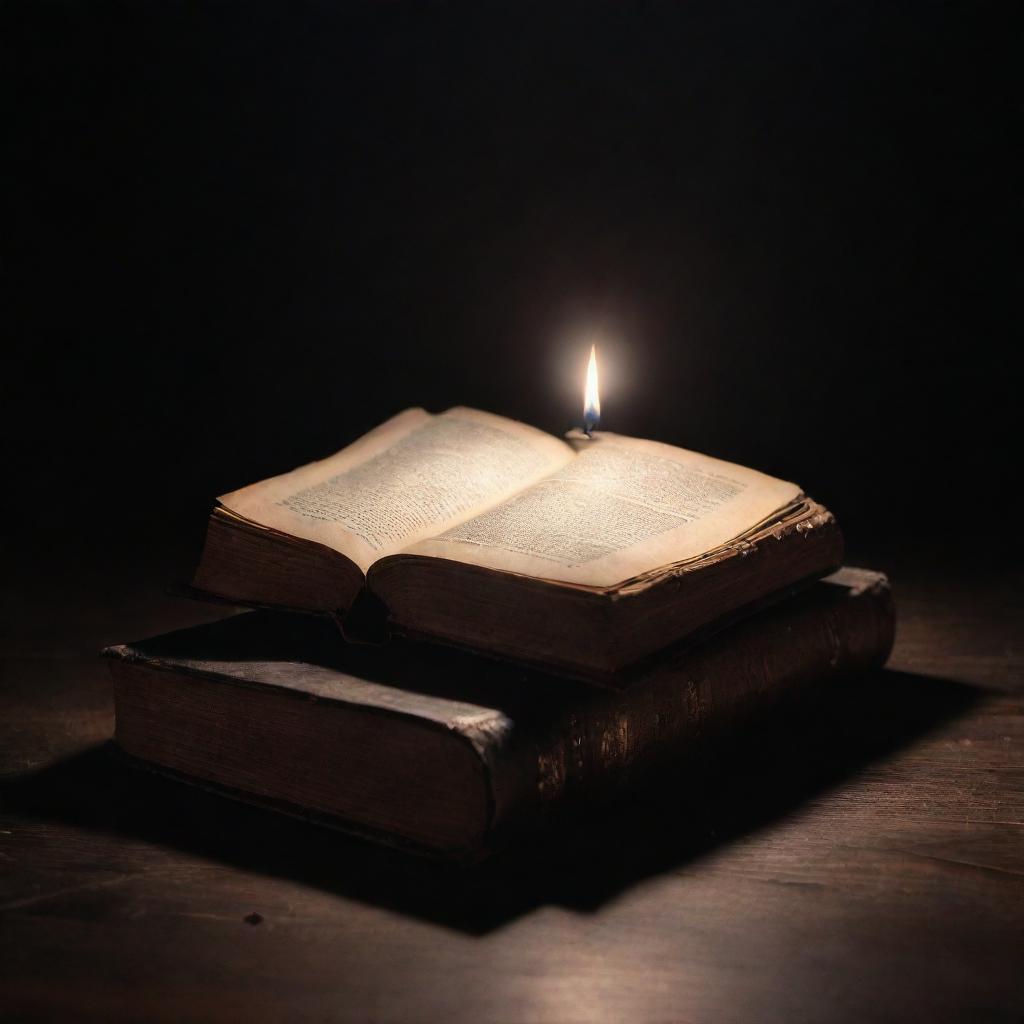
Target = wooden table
(863,861)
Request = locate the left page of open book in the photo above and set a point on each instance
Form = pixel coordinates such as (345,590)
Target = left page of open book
(412,477)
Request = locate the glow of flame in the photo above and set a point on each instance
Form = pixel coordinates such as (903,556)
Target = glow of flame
(591,398)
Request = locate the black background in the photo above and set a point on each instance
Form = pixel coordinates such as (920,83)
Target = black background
(239,235)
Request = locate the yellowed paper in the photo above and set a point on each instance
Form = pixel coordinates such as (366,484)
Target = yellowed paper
(414,476)
(620,508)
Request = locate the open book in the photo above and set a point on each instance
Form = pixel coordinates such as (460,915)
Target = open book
(581,555)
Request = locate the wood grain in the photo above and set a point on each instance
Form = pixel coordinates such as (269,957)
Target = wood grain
(857,859)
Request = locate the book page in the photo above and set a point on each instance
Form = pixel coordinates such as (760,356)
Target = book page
(414,476)
(620,508)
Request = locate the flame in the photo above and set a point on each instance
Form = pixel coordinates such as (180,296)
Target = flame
(591,398)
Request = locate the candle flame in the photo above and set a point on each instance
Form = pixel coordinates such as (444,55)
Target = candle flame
(591,398)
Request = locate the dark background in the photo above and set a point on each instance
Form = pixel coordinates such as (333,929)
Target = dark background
(239,235)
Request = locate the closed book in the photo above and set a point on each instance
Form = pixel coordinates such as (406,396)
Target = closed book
(451,753)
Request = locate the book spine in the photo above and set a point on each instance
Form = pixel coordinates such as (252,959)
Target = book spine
(592,751)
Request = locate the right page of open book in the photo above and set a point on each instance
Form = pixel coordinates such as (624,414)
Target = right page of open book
(622,507)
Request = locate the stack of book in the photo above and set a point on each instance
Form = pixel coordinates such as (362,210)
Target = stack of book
(465,624)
